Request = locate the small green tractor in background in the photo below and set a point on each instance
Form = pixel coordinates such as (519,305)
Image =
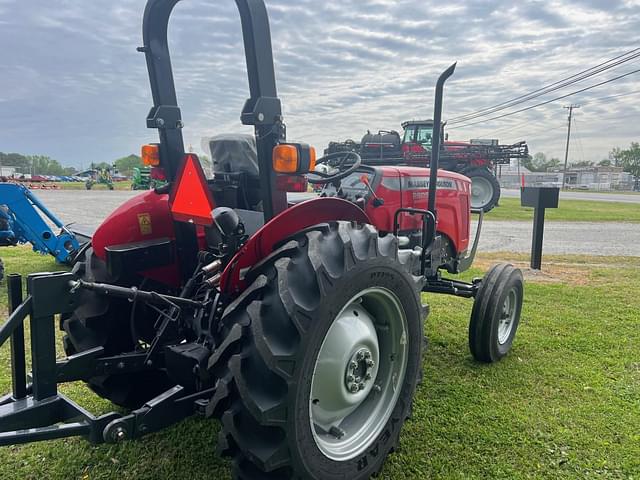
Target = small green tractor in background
(100,176)
(143,179)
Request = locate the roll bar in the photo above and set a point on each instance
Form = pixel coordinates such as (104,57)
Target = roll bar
(262,109)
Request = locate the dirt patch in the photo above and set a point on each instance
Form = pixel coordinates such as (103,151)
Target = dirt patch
(552,272)
(559,274)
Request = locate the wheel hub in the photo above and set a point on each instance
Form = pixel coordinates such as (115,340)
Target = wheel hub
(349,355)
(481,192)
(507,318)
(359,372)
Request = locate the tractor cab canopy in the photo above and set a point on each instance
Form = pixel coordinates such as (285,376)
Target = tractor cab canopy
(420,132)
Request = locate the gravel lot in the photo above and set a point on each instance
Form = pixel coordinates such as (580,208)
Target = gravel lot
(90,208)
(563,238)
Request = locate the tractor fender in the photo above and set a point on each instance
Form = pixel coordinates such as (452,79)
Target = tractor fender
(286,224)
(142,217)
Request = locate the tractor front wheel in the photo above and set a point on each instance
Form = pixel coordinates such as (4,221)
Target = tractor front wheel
(496,313)
(319,358)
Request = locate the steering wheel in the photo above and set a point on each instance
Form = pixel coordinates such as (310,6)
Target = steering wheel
(340,159)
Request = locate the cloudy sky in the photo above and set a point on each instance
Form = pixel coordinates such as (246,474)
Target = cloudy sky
(73,87)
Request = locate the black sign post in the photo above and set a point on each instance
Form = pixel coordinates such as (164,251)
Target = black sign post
(540,198)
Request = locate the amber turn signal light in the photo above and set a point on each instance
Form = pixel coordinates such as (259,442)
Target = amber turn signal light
(294,158)
(285,159)
(151,155)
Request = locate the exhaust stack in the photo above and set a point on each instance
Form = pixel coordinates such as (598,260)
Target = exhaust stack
(435,139)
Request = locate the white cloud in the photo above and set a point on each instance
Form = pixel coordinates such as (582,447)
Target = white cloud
(72,80)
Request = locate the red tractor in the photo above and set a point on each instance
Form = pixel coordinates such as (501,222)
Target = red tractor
(299,327)
(476,159)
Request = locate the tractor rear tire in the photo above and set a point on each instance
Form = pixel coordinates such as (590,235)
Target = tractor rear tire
(105,322)
(496,313)
(485,189)
(281,393)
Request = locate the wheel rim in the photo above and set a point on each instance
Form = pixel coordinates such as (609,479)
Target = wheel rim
(507,317)
(358,374)
(481,192)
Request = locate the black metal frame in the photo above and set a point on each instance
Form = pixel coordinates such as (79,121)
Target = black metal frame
(37,411)
(262,109)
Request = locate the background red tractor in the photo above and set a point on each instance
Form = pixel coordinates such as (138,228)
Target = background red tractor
(299,327)
(475,159)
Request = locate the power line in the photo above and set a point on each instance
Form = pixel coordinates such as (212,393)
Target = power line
(509,128)
(545,89)
(532,96)
(549,101)
(575,78)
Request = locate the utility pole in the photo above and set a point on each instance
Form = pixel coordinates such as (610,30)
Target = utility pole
(566,153)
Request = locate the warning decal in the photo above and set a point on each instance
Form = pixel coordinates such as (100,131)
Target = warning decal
(144,221)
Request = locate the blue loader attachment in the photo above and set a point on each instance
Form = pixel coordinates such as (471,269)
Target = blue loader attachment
(21,221)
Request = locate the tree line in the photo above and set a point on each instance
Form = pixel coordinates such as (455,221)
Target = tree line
(35,164)
(44,165)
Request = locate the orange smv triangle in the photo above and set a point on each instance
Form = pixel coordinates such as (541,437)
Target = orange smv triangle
(191,199)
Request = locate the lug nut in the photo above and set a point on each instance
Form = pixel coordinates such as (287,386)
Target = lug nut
(361,386)
(360,355)
(367,354)
(350,378)
(353,388)
(370,363)
(353,365)
(367,376)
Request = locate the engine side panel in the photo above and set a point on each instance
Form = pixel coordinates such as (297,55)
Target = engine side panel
(411,184)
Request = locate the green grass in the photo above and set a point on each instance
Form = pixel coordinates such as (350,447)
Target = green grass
(125,185)
(565,404)
(570,211)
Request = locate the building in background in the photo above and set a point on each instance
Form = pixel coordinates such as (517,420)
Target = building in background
(598,178)
(583,178)
(7,171)
(510,176)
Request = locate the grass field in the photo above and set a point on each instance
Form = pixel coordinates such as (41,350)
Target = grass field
(564,405)
(570,211)
(126,185)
